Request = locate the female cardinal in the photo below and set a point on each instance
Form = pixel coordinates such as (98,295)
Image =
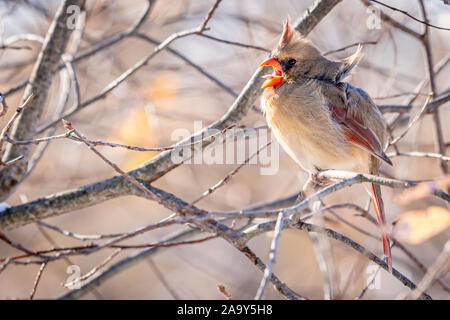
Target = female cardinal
(321,121)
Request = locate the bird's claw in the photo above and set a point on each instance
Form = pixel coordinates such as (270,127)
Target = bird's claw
(319,182)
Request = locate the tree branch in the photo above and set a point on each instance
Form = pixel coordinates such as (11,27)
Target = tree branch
(39,83)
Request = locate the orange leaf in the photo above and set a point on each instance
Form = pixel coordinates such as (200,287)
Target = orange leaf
(136,131)
(423,190)
(415,227)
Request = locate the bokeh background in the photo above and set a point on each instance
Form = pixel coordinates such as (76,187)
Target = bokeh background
(167,95)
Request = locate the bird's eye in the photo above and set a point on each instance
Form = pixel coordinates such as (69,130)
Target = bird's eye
(291,62)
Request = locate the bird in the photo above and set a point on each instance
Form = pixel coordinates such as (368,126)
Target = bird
(321,121)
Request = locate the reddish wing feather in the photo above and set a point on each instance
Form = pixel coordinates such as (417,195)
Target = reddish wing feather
(357,133)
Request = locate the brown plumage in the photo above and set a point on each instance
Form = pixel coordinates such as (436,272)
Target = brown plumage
(321,121)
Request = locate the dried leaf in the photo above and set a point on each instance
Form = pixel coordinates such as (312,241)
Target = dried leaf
(414,227)
(224,291)
(423,190)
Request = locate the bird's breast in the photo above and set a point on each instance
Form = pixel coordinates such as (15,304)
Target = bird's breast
(304,128)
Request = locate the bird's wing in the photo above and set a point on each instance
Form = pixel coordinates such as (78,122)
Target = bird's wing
(357,133)
(345,111)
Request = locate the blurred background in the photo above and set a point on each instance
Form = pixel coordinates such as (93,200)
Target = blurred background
(168,94)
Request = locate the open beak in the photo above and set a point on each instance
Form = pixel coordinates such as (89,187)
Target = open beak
(276,77)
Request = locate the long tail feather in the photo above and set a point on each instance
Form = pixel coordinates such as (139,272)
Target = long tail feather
(379,209)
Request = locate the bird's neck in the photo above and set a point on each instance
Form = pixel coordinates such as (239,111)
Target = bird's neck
(321,69)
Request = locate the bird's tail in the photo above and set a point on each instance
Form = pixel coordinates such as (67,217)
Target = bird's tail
(379,209)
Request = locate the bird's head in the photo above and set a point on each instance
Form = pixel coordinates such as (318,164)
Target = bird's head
(293,56)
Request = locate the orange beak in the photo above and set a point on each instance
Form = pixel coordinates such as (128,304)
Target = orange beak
(276,77)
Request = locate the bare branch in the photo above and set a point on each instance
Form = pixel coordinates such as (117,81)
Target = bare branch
(272,256)
(93,270)
(425,22)
(440,265)
(235,43)
(349,46)
(39,83)
(36,281)
(69,135)
(418,154)
(430,106)
(413,121)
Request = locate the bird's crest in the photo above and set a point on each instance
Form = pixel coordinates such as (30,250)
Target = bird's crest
(349,63)
(287,34)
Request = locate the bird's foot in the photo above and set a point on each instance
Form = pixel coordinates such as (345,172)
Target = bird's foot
(319,182)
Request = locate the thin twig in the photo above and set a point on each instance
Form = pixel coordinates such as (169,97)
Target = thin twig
(11,162)
(194,65)
(413,121)
(370,284)
(235,43)
(272,256)
(425,22)
(15,245)
(121,265)
(116,168)
(69,134)
(39,140)
(418,154)
(11,121)
(36,281)
(228,177)
(68,260)
(441,263)
(93,270)
(350,46)
(419,264)
(83,237)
